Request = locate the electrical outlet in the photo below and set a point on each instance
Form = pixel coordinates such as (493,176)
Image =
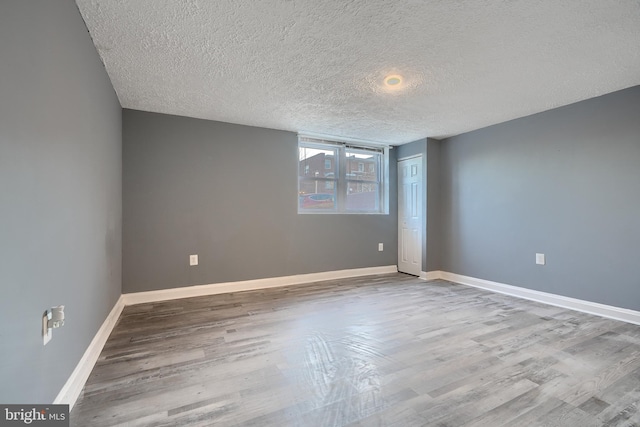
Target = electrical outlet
(540,259)
(46,331)
(193,260)
(380,247)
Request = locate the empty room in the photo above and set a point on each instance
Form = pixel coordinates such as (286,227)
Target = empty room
(306,213)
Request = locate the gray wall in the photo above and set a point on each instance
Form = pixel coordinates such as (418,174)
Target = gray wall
(429,150)
(566,183)
(60,194)
(228,193)
(434,240)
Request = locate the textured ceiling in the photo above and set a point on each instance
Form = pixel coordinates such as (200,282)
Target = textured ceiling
(318,66)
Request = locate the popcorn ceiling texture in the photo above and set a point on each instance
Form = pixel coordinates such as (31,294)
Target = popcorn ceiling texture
(318,66)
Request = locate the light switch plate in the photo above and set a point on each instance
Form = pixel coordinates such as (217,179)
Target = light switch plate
(46,331)
(380,247)
(540,259)
(193,260)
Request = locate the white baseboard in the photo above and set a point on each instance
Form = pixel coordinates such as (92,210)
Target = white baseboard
(248,285)
(73,387)
(608,311)
(431,275)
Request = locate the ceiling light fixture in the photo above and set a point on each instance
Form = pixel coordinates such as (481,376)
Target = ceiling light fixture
(393,80)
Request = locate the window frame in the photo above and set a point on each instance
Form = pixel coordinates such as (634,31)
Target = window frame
(342,180)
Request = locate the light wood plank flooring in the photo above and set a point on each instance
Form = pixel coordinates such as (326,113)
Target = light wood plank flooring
(388,350)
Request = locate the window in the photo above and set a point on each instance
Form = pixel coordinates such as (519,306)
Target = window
(336,177)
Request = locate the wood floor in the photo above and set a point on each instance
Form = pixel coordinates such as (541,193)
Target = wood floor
(389,350)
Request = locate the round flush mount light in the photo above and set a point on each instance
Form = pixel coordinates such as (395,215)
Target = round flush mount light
(393,80)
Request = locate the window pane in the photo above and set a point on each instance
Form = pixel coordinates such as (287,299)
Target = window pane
(317,162)
(363,196)
(362,165)
(317,195)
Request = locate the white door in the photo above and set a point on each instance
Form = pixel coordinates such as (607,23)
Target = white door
(410,216)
